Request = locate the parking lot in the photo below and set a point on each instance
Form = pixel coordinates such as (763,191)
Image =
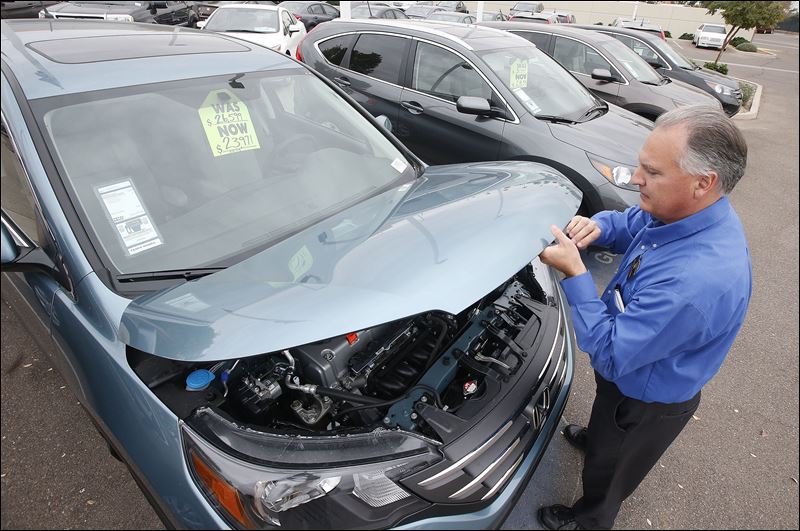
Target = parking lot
(735,466)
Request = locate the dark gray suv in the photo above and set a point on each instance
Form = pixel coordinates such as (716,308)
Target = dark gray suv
(462,94)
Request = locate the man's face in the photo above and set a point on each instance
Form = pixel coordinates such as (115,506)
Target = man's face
(665,191)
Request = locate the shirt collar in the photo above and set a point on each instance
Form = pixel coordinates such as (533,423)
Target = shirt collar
(658,233)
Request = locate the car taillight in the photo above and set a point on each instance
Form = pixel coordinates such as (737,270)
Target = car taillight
(297,53)
(661,34)
(296,16)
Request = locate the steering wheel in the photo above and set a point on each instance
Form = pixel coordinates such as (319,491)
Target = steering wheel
(289,144)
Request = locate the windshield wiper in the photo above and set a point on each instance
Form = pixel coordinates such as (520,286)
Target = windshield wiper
(554,119)
(176,274)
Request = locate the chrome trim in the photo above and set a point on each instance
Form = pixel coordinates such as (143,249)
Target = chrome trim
(480,477)
(503,479)
(470,457)
(17,238)
(553,348)
(398,22)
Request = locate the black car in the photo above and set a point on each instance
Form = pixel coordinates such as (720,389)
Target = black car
(171,13)
(671,63)
(377,11)
(457,93)
(311,13)
(206,7)
(21,9)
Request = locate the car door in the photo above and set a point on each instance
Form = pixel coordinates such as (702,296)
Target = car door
(429,123)
(540,39)
(315,15)
(372,75)
(290,40)
(581,59)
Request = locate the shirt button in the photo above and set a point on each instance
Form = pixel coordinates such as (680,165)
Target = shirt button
(642,247)
(654,246)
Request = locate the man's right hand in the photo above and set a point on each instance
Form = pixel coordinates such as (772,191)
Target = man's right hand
(582,231)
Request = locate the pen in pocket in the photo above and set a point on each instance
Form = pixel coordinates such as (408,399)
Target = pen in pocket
(618,298)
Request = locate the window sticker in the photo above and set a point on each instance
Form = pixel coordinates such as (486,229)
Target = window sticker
(527,101)
(300,263)
(399,165)
(227,124)
(126,212)
(519,74)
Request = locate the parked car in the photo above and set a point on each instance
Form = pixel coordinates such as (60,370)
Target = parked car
(237,313)
(526,7)
(759,29)
(639,25)
(311,13)
(170,13)
(373,11)
(452,16)
(206,7)
(671,63)
(403,5)
(269,26)
(565,17)
(538,18)
(458,5)
(710,36)
(610,69)
(489,16)
(23,9)
(422,11)
(459,94)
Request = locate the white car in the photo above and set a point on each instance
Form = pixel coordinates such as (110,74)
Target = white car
(710,36)
(269,26)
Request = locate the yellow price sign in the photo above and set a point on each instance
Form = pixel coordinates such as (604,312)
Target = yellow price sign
(227,124)
(519,74)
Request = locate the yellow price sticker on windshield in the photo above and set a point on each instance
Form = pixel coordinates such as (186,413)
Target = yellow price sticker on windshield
(300,263)
(519,74)
(227,124)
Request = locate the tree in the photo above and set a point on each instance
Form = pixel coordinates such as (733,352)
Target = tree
(745,15)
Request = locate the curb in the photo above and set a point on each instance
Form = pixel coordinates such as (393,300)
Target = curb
(753,112)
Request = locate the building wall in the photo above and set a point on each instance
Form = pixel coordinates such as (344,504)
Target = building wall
(677,19)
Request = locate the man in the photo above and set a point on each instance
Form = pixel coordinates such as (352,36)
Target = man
(666,321)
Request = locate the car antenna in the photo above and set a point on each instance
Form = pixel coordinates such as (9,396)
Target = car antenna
(369,7)
(47,14)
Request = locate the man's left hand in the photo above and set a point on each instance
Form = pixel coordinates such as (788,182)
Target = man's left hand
(563,255)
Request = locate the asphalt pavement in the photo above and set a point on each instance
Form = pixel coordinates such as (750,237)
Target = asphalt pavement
(735,466)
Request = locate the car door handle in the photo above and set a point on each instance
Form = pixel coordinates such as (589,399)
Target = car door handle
(412,106)
(342,81)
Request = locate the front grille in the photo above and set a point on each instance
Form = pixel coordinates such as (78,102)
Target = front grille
(483,469)
(737,93)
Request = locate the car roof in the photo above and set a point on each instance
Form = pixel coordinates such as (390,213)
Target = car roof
(639,34)
(569,30)
(469,36)
(249,6)
(57,57)
(541,14)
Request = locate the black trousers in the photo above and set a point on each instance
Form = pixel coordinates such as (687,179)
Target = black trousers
(626,438)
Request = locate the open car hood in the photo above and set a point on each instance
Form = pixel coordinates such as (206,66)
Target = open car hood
(439,243)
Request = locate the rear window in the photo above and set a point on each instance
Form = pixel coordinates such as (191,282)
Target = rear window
(714,29)
(336,48)
(379,56)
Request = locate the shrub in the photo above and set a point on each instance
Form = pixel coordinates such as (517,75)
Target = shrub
(747,94)
(736,41)
(686,37)
(722,68)
(667,34)
(747,47)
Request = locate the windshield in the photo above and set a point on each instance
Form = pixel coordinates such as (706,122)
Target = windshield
(366,11)
(419,11)
(633,63)
(674,55)
(205,172)
(538,82)
(243,19)
(522,6)
(447,17)
(714,29)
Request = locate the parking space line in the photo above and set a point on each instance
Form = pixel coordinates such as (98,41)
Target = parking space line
(753,66)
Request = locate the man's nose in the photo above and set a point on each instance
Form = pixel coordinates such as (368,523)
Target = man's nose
(638,176)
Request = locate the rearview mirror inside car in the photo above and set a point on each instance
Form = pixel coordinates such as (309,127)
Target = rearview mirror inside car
(602,74)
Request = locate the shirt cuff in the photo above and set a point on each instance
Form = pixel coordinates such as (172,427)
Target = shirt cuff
(579,288)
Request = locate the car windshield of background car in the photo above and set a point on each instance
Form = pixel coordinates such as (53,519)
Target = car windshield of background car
(674,56)
(447,17)
(206,172)
(635,65)
(521,6)
(714,29)
(243,20)
(419,11)
(366,11)
(538,82)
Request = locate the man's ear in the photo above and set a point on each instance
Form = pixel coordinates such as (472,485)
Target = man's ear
(706,184)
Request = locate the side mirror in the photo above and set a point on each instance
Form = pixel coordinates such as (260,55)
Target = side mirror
(385,122)
(21,259)
(294,28)
(655,64)
(200,24)
(602,74)
(474,105)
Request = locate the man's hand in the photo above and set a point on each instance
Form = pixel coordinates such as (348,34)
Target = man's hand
(583,231)
(564,255)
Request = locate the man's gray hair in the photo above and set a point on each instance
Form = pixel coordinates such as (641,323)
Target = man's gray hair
(713,143)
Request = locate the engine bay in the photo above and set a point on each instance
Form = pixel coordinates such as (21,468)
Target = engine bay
(418,374)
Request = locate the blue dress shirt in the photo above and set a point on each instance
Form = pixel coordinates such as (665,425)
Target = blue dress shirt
(685,287)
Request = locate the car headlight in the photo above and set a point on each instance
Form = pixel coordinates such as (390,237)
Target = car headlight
(268,481)
(120,18)
(617,174)
(720,88)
